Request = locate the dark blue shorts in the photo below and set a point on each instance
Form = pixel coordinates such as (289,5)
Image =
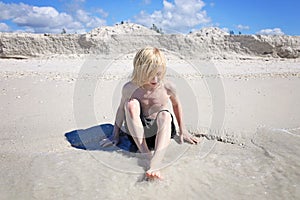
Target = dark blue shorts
(150,130)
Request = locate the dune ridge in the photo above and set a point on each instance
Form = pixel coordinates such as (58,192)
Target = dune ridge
(109,41)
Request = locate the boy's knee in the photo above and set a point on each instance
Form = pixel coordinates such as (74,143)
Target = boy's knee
(133,107)
(164,116)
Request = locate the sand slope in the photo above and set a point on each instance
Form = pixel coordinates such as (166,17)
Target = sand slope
(253,153)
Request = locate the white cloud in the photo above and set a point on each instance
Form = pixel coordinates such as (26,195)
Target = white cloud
(147,2)
(89,20)
(47,19)
(4,27)
(180,16)
(42,17)
(102,12)
(9,11)
(225,29)
(242,27)
(274,31)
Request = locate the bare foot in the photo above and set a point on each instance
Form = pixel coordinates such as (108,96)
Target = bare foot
(154,175)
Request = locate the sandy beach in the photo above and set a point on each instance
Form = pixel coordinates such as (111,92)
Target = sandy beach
(59,95)
(246,112)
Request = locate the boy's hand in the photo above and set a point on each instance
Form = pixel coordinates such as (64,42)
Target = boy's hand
(186,136)
(112,140)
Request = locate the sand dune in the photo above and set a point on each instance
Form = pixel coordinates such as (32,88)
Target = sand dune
(125,38)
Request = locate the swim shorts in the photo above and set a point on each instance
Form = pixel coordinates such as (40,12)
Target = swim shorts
(150,130)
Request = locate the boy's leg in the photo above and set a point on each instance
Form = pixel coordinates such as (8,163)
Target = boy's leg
(161,143)
(135,126)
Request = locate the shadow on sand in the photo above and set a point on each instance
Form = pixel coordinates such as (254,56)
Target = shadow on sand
(89,139)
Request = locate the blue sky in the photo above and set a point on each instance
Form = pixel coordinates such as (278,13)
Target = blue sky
(246,16)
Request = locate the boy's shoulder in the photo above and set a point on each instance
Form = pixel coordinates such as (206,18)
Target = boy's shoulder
(170,86)
(129,87)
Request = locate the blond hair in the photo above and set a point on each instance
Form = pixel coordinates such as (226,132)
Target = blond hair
(147,62)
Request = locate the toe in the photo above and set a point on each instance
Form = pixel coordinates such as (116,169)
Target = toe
(154,175)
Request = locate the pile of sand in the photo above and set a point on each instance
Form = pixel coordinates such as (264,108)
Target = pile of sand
(123,38)
(121,29)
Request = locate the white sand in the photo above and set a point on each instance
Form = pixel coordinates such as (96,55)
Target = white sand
(247,112)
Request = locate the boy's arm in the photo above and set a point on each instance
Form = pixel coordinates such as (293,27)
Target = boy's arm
(118,121)
(177,108)
(120,115)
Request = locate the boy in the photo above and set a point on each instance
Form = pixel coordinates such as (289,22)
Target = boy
(143,108)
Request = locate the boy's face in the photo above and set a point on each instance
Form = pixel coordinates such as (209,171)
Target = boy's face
(155,81)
